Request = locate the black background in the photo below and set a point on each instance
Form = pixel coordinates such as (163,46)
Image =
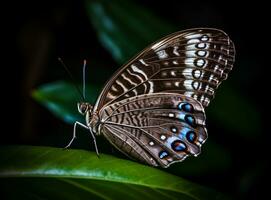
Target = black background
(39,32)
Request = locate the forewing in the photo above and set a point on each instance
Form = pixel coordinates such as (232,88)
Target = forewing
(158,129)
(191,62)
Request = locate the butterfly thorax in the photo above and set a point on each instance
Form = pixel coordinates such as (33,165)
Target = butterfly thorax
(92,120)
(86,109)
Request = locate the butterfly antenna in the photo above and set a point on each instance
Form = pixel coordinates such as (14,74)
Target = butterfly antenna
(84,78)
(72,79)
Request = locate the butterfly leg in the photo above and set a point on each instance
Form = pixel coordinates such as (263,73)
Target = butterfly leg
(94,141)
(74,136)
(74,132)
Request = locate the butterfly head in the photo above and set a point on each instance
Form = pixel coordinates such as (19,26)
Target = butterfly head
(84,108)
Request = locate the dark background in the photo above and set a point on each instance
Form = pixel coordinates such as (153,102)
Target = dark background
(40,32)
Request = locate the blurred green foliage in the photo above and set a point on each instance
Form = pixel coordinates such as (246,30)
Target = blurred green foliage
(60,105)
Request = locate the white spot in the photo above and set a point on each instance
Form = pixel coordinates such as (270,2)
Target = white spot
(173,73)
(201,45)
(171,114)
(162,54)
(201,53)
(163,137)
(151,143)
(220,58)
(174,130)
(175,62)
(204,38)
(197,73)
(196,85)
(200,62)
(166,63)
(175,50)
(177,83)
(193,41)
(143,62)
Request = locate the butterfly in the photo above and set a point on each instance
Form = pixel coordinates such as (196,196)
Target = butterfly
(152,108)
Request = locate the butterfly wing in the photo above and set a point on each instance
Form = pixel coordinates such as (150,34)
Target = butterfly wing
(191,62)
(157,129)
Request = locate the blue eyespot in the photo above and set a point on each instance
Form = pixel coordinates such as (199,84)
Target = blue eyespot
(163,154)
(187,107)
(178,145)
(180,106)
(191,136)
(190,120)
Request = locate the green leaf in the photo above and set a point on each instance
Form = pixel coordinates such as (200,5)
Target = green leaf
(46,173)
(124,28)
(61,99)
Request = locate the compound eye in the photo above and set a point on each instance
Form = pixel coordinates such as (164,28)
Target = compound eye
(83,108)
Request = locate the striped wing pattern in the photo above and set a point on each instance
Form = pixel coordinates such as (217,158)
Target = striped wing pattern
(157,129)
(152,109)
(191,62)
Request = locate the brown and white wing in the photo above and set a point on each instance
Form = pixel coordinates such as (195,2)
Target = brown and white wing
(191,62)
(157,129)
